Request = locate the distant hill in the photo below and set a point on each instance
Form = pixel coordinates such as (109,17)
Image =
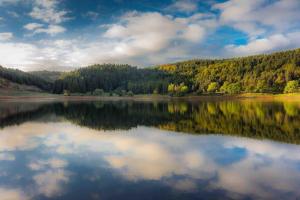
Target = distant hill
(113,78)
(50,76)
(8,88)
(20,77)
(272,73)
(262,73)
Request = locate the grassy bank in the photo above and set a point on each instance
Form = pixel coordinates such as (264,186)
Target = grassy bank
(17,95)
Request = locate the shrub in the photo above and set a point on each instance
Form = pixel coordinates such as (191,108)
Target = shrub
(231,88)
(98,92)
(212,87)
(291,86)
(130,93)
(66,93)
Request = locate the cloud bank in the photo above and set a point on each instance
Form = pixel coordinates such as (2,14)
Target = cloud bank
(179,31)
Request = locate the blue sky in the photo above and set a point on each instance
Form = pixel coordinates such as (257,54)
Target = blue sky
(64,34)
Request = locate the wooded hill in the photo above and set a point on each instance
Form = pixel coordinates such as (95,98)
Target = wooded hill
(273,73)
(20,77)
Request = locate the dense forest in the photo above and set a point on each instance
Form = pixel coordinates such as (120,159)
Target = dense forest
(118,79)
(49,76)
(273,73)
(21,77)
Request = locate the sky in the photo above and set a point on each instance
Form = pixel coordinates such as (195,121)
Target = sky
(67,34)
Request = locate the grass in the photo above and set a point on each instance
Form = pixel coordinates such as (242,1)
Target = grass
(258,96)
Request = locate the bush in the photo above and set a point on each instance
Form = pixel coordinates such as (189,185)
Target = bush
(130,93)
(212,87)
(291,86)
(231,88)
(98,92)
(67,93)
(177,90)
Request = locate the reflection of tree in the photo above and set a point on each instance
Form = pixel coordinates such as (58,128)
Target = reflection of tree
(275,121)
(14,114)
(115,115)
(249,119)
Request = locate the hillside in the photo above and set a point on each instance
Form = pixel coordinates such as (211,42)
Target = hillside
(10,88)
(114,78)
(23,78)
(49,76)
(272,73)
(261,73)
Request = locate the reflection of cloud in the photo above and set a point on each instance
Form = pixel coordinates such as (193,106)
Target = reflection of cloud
(7,156)
(52,163)
(12,138)
(266,169)
(49,182)
(11,194)
(184,185)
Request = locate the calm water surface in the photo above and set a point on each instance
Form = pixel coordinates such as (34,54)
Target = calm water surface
(149,150)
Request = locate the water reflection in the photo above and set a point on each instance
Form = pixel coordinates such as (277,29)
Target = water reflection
(65,153)
(276,121)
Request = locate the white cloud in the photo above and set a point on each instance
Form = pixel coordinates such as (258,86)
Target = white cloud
(6,36)
(140,33)
(184,6)
(127,41)
(149,38)
(47,11)
(18,54)
(268,44)
(51,30)
(39,28)
(256,17)
(33,26)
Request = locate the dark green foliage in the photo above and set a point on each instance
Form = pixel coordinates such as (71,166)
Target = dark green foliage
(261,73)
(113,78)
(21,77)
(50,76)
(98,92)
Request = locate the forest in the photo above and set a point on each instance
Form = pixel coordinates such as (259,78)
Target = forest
(272,73)
(21,77)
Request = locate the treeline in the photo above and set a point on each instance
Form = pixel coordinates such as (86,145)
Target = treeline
(49,76)
(274,73)
(118,79)
(21,77)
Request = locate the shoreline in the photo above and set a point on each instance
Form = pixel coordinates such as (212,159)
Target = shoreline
(245,96)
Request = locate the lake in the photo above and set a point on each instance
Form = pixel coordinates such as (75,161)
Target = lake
(149,150)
